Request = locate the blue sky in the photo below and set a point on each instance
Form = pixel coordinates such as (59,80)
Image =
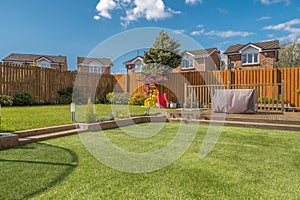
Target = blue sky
(76,28)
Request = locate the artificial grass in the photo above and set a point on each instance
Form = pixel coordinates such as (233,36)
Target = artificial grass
(244,164)
(24,118)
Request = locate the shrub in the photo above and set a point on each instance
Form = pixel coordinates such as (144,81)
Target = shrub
(298,91)
(101,98)
(90,115)
(23,99)
(269,100)
(118,98)
(6,100)
(137,99)
(66,96)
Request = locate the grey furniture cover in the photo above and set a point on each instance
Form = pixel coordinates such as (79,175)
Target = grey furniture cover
(235,101)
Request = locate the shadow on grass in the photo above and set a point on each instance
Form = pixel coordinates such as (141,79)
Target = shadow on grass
(42,167)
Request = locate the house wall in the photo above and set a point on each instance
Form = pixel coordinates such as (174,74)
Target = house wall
(199,64)
(86,69)
(216,59)
(57,66)
(266,60)
(130,71)
(212,62)
(236,59)
(106,70)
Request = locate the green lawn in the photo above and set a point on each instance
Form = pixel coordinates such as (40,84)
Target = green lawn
(23,118)
(245,164)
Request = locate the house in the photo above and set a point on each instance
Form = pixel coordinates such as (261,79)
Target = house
(253,55)
(200,60)
(134,65)
(44,61)
(94,65)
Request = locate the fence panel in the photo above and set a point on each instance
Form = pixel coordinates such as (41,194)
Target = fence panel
(43,84)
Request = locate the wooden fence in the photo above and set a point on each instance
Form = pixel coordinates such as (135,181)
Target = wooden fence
(174,87)
(43,84)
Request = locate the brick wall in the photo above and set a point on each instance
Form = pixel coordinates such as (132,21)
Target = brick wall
(266,60)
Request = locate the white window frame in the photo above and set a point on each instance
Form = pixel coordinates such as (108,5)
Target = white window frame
(250,51)
(95,69)
(190,62)
(44,64)
(138,66)
(251,56)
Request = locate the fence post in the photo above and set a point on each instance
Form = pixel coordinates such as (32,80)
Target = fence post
(126,82)
(185,94)
(228,85)
(282,95)
(1,78)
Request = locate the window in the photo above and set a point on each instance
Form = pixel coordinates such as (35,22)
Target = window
(250,58)
(138,67)
(44,64)
(187,63)
(95,69)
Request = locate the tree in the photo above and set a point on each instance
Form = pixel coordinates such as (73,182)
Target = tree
(90,115)
(289,55)
(164,51)
(223,65)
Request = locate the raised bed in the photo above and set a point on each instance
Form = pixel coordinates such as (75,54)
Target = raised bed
(8,140)
(121,122)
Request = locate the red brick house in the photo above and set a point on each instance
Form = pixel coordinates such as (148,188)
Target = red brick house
(94,65)
(134,65)
(253,55)
(200,60)
(44,61)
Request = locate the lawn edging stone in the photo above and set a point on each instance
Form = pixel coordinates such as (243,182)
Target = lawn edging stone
(121,122)
(8,140)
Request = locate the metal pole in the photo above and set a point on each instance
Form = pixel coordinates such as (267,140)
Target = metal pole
(73,112)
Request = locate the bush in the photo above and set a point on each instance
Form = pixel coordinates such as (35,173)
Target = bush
(101,98)
(66,96)
(22,99)
(6,100)
(137,99)
(298,91)
(90,115)
(269,100)
(118,98)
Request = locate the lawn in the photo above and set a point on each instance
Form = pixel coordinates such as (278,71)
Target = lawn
(245,164)
(23,118)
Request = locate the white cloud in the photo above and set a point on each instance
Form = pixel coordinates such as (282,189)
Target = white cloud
(198,32)
(268,2)
(200,26)
(271,35)
(226,34)
(223,34)
(96,17)
(294,33)
(283,26)
(150,9)
(193,2)
(179,31)
(103,7)
(134,10)
(264,18)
